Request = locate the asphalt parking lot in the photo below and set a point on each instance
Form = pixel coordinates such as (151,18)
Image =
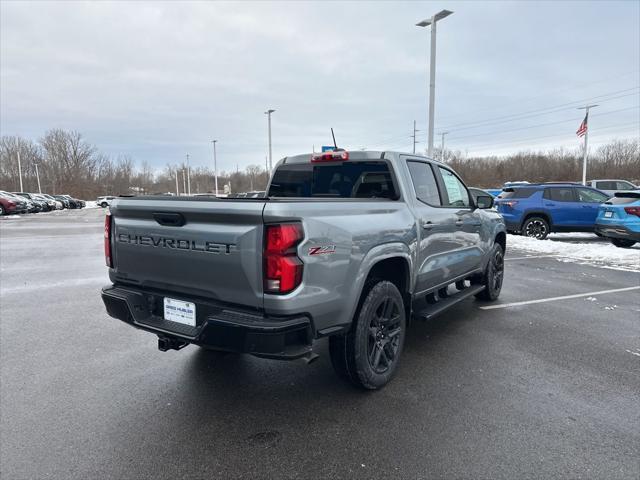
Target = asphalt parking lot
(532,390)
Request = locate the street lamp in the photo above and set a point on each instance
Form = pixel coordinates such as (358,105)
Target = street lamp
(432,69)
(215,165)
(268,113)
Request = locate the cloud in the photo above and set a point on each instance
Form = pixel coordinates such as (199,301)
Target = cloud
(161,79)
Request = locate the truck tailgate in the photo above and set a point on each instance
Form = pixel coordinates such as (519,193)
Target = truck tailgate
(196,247)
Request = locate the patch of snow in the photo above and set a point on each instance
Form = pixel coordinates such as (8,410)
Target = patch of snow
(583,248)
(591,299)
(10,217)
(637,354)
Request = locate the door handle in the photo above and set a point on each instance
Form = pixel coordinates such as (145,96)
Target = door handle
(550,204)
(427,225)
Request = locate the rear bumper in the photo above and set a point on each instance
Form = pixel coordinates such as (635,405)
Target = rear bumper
(617,231)
(217,327)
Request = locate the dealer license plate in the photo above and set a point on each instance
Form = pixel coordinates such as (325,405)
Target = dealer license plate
(608,214)
(179,311)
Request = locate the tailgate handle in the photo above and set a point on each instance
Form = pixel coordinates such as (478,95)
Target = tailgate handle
(169,219)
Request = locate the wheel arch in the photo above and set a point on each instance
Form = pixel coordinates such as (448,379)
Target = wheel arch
(392,262)
(536,213)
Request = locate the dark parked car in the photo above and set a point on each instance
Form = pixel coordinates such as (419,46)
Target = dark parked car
(10,204)
(65,201)
(535,210)
(43,205)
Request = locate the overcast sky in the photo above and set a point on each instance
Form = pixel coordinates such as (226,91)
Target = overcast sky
(158,80)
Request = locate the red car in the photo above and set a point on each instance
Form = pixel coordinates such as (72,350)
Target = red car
(9,205)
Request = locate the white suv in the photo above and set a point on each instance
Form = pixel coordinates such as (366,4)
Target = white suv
(104,202)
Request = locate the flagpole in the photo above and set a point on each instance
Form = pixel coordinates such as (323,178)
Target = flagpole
(586,143)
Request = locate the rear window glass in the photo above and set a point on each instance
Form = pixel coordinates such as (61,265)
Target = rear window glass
(623,200)
(333,180)
(517,192)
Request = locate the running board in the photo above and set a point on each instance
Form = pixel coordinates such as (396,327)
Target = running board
(444,303)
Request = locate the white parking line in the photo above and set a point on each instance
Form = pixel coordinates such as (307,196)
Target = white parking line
(527,258)
(553,299)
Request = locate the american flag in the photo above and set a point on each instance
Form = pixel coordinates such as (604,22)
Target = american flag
(582,129)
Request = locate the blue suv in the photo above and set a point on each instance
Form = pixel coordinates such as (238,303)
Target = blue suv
(535,210)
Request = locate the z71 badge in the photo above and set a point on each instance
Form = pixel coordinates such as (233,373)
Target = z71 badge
(323,250)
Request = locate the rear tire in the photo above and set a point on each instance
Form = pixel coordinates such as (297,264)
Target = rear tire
(493,275)
(535,227)
(623,242)
(1,210)
(369,353)
(104,204)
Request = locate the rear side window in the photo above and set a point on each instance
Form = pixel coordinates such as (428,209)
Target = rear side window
(424,182)
(606,185)
(517,192)
(333,180)
(560,194)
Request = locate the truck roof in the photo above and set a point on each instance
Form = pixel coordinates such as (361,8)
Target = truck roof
(356,155)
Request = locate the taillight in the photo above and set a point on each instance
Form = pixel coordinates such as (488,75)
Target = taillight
(632,210)
(282,267)
(107,240)
(332,156)
(510,203)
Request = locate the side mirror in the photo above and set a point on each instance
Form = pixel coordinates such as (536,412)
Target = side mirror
(484,201)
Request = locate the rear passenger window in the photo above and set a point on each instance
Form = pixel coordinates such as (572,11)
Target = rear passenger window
(608,185)
(517,192)
(457,193)
(560,194)
(424,182)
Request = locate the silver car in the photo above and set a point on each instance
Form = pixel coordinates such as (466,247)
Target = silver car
(612,186)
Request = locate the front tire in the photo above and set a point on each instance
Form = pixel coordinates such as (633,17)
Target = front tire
(535,227)
(493,275)
(369,353)
(623,242)
(104,204)
(1,210)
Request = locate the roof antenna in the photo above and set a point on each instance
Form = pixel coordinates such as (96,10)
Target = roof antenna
(334,142)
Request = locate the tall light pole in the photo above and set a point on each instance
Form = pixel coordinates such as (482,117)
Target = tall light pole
(268,114)
(586,141)
(432,70)
(188,176)
(38,177)
(442,146)
(215,165)
(20,171)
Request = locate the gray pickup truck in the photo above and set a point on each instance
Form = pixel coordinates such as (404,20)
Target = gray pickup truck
(345,245)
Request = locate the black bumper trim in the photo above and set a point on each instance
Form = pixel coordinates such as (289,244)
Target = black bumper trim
(618,231)
(220,328)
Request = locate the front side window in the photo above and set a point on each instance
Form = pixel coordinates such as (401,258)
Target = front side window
(457,193)
(587,195)
(424,182)
(625,186)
